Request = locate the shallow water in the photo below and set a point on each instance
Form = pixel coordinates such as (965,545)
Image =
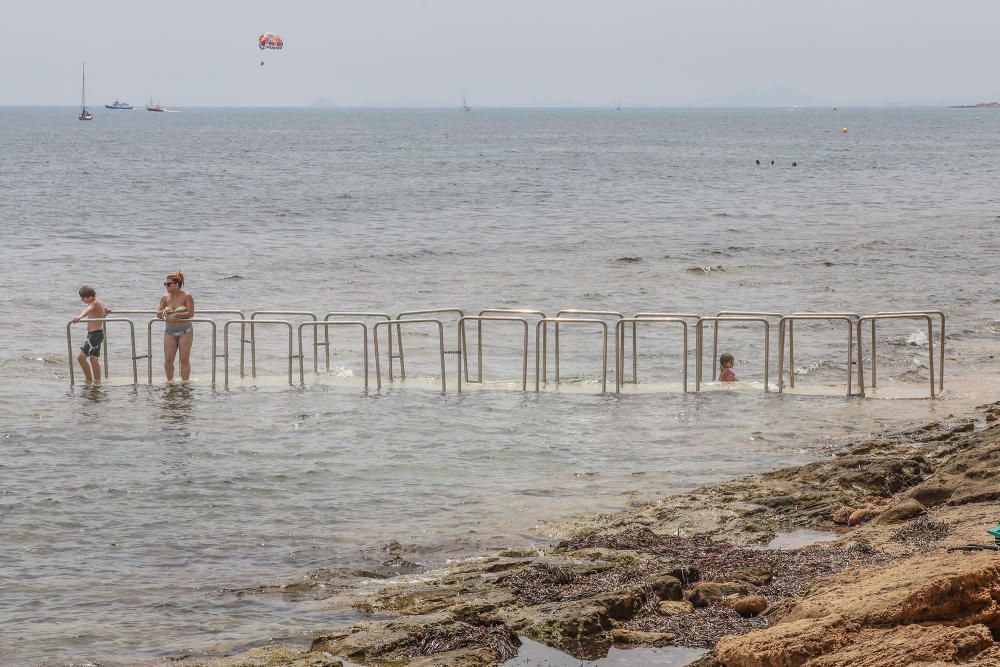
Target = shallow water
(131,512)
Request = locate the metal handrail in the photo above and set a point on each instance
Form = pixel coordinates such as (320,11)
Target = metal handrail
(896,316)
(635,350)
(399,336)
(742,313)
(508,311)
(399,323)
(562,320)
(914,312)
(620,347)
(791,337)
(699,344)
(463,344)
(348,313)
(252,322)
(326,324)
(253,340)
(149,344)
(104,321)
(849,318)
(201,311)
(577,311)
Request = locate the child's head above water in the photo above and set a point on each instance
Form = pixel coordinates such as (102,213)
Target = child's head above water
(726,372)
(726,361)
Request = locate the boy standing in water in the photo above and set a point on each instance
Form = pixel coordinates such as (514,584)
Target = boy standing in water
(95,334)
(726,372)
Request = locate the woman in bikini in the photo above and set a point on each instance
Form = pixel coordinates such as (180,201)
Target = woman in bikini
(176,308)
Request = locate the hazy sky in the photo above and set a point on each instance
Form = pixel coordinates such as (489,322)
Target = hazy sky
(510,53)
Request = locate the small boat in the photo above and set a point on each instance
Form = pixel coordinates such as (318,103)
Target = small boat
(465,106)
(154,107)
(84,113)
(118,105)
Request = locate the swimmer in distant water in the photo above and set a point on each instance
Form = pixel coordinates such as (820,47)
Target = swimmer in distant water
(726,372)
(176,307)
(795,164)
(91,347)
(758,163)
(772,163)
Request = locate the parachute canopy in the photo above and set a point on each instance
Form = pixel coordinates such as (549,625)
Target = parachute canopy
(270,41)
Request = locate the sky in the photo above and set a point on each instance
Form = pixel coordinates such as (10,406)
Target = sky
(515,53)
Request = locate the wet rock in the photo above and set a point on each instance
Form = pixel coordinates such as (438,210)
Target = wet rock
(753,577)
(667,587)
(672,608)
(786,644)
(640,638)
(904,511)
(704,593)
(842,515)
(563,623)
(862,515)
(933,492)
(914,644)
(749,606)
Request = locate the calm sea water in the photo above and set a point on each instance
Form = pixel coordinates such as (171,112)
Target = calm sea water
(142,522)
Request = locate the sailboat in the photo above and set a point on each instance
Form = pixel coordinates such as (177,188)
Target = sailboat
(153,107)
(84,114)
(465,106)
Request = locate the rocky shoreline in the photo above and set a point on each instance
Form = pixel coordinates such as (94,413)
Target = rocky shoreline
(895,586)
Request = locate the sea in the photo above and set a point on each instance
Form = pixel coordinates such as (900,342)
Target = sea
(142,521)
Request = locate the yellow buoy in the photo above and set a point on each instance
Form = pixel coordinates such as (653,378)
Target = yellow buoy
(844,130)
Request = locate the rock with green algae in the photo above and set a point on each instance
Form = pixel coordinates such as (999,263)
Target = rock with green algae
(269,656)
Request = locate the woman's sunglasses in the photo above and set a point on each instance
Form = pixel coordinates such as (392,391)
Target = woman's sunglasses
(171,282)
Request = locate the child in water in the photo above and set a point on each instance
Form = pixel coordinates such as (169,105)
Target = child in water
(91,349)
(726,372)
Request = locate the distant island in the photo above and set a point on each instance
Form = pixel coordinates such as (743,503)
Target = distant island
(981,105)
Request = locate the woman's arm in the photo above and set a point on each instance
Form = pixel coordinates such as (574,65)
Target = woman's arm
(161,307)
(189,302)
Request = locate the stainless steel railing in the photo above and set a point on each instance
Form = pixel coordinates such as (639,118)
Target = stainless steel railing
(926,316)
(620,347)
(743,313)
(194,320)
(347,313)
(253,323)
(464,344)
(635,344)
(398,323)
(507,311)
(253,338)
(406,314)
(699,344)
(576,312)
(933,313)
(326,324)
(789,320)
(571,320)
(104,367)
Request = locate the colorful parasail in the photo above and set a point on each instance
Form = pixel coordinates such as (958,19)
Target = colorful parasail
(270,41)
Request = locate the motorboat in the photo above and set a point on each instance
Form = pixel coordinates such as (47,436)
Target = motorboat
(118,105)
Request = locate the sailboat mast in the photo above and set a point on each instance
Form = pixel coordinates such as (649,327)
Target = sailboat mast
(83,89)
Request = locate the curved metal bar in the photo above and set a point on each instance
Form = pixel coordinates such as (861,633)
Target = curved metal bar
(896,316)
(253,340)
(326,324)
(252,322)
(619,346)
(149,344)
(849,318)
(508,311)
(398,323)
(563,320)
(203,311)
(103,320)
(791,338)
(635,350)
(576,311)
(742,313)
(399,335)
(699,344)
(463,345)
(345,313)
(941,345)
